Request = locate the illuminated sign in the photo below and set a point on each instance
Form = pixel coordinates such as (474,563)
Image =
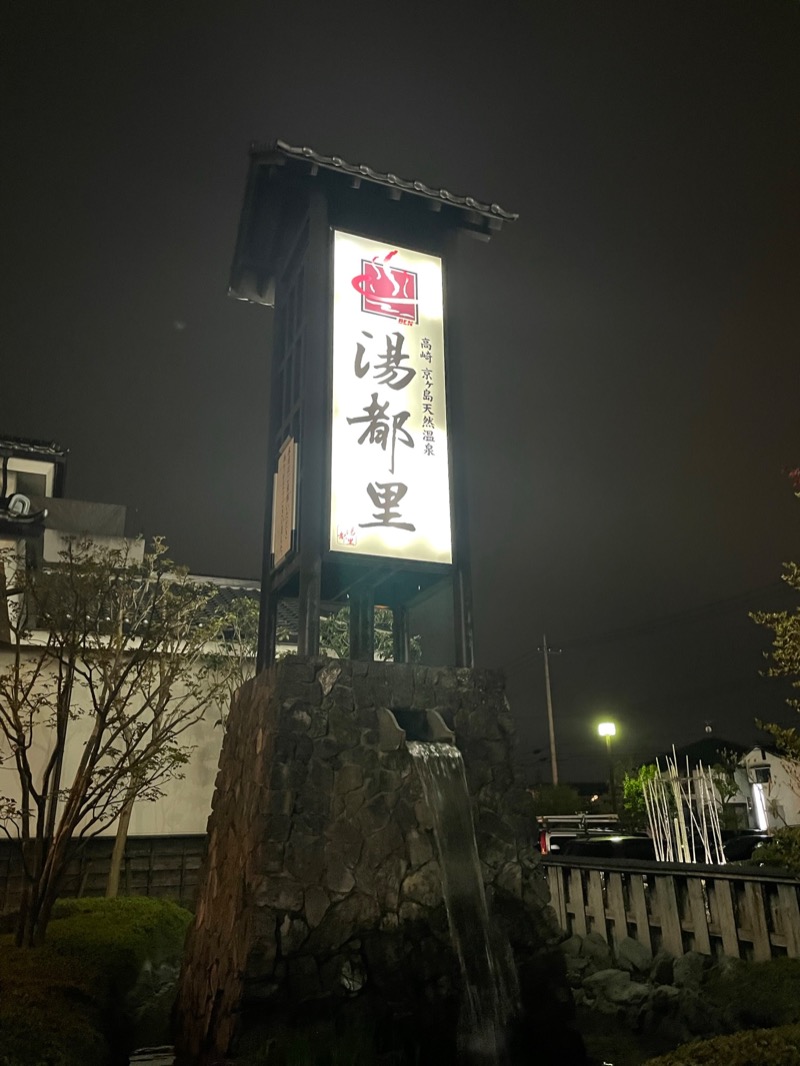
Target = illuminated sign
(390,488)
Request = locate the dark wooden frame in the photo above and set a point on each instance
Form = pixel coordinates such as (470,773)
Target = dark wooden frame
(288,193)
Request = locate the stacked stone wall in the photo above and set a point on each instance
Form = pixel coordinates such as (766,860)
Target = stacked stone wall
(321,877)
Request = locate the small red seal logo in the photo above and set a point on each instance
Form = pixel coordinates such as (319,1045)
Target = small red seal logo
(388,290)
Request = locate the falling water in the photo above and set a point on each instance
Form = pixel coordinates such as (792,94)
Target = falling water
(490,991)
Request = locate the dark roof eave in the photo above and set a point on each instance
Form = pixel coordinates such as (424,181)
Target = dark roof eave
(277,153)
(28,447)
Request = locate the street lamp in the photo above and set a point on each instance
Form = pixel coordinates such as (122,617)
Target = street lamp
(609,730)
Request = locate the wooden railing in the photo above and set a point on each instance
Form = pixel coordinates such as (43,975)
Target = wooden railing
(711,909)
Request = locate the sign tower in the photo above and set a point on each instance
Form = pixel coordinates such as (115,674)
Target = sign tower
(365,501)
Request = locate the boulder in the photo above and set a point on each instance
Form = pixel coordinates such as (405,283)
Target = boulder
(688,970)
(606,984)
(661,971)
(597,951)
(572,946)
(633,956)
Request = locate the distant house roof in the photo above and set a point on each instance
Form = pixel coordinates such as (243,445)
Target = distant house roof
(708,751)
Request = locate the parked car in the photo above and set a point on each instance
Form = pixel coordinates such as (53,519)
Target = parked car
(610,847)
(557,830)
(742,846)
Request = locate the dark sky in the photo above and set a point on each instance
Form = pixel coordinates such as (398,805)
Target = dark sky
(630,368)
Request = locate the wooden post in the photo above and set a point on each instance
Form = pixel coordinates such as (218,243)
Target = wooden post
(362,625)
(668,915)
(597,907)
(616,907)
(722,897)
(555,881)
(759,933)
(401,646)
(790,919)
(697,909)
(639,909)
(577,902)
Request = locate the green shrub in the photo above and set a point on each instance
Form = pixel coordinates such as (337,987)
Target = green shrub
(757,995)
(754,1047)
(117,936)
(783,850)
(61,1004)
(49,1015)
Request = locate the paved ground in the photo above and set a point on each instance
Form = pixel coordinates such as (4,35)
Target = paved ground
(153,1056)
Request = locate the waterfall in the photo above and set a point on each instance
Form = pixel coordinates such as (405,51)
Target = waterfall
(489,980)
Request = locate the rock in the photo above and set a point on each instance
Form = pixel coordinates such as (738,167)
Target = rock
(390,735)
(282,894)
(320,844)
(305,859)
(438,730)
(576,963)
(149,1003)
(317,903)
(729,966)
(695,1012)
(603,983)
(633,956)
(661,971)
(572,946)
(688,969)
(329,675)
(598,951)
(663,995)
(510,878)
(576,969)
(345,842)
(420,848)
(292,932)
(424,886)
(337,877)
(628,995)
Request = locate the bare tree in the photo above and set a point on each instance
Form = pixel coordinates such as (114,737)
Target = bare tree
(112,651)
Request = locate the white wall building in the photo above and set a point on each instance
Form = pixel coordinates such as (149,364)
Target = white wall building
(773,788)
(34,535)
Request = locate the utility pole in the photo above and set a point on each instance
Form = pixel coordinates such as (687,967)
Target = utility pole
(546,652)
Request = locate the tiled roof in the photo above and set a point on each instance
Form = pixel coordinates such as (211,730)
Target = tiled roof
(15,445)
(362,171)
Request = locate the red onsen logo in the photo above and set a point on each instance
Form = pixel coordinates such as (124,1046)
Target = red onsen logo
(347,535)
(386,290)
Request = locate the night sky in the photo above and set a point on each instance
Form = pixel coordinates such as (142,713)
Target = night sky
(629,365)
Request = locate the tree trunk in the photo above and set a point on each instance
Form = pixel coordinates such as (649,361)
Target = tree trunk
(120,840)
(43,892)
(22,917)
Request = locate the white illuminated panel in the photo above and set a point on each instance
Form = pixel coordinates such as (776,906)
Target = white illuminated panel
(390,490)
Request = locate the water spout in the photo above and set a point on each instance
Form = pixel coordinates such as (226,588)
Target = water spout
(489,982)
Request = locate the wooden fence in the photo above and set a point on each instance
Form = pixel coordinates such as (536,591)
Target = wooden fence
(165,866)
(711,909)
